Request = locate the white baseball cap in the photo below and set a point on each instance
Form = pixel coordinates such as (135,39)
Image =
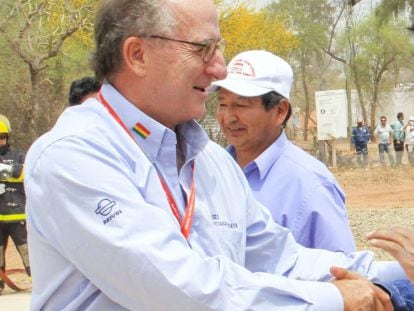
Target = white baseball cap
(257,72)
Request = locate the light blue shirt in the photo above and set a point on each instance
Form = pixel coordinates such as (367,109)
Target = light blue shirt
(398,132)
(102,235)
(301,194)
(384,133)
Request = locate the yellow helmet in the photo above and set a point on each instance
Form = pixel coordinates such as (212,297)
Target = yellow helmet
(3,127)
(6,121)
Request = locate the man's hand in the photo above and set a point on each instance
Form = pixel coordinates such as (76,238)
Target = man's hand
(359,293)
(399,242)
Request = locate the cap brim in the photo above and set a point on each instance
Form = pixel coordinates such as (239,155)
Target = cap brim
(239,87)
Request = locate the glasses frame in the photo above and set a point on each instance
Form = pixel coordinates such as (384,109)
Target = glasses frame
(3,136)
(207,45)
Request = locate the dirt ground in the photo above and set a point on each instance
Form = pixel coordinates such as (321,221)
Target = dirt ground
(376,197)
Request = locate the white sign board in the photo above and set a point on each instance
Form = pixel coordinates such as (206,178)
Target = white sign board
(331,114)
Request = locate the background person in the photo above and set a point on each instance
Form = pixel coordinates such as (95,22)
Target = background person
(82,89)
(409,140)
(147,213)
(398,132)
(360,138)
(300,192)
(12,200)
(384,138)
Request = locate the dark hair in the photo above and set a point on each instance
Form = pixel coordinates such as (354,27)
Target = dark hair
(271,99)
(118,20)
(399,115)
(82,87)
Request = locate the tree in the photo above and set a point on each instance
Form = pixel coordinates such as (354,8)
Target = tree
(392,8)
(310,20)
(35,32)
(380,51)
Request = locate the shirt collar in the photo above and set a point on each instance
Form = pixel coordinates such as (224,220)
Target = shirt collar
(264,162)
(194,137)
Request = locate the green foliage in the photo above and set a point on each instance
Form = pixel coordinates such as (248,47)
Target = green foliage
(379,51)
(392,8)
(310,20)
(32,37)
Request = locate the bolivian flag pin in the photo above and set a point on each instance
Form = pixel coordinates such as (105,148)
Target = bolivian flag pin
(141,130)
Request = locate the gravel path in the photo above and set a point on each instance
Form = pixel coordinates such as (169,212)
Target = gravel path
(364,221)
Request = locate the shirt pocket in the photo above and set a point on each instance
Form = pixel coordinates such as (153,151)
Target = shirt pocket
(219,237)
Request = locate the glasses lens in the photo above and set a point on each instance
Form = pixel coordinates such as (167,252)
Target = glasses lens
(221,45)
(210,48)
(3,136)
(208,51)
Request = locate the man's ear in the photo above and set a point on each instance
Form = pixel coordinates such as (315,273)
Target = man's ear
(134,55)
(282,110)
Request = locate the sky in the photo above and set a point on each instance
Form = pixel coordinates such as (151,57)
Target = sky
(262,3)
(259,3)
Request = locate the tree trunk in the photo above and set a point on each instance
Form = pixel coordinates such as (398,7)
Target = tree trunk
(34,106)
(307,101)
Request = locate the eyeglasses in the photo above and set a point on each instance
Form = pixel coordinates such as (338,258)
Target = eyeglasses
(207,48)
(3,136)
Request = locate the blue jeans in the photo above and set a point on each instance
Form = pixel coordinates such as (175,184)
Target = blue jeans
(361,150)
(385,148)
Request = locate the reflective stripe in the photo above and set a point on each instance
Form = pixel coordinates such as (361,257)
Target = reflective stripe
(17,179)
(12,217)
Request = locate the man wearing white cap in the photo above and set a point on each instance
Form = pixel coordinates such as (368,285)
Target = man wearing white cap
(300,192)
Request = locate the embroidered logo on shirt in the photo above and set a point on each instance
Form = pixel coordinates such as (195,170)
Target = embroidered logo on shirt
(221,223)
(105,208)
(141,130)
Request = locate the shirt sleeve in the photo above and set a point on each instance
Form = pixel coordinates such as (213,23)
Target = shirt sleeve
(402,294)
(139,259)
(322,220)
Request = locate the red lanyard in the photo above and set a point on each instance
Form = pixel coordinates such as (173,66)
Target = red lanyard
(187,221)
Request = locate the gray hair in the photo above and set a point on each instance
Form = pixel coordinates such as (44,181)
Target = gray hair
(116,20)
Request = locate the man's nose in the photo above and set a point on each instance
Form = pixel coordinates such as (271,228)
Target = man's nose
(217,66)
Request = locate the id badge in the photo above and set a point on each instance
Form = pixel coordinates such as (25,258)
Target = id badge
(2,188)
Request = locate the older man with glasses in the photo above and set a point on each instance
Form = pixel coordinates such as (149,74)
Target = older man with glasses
(132,207)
